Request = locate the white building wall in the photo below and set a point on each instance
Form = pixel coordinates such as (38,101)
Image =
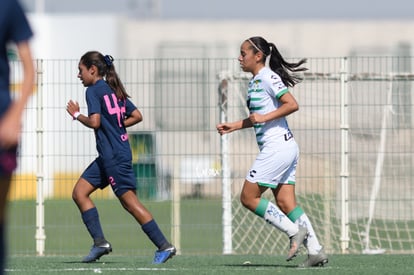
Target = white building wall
(69,36)
(293,38)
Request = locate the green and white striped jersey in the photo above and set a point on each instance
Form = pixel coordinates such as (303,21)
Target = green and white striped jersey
(263,95)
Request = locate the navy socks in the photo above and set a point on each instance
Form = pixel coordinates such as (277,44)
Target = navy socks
(91,220)
(156,236)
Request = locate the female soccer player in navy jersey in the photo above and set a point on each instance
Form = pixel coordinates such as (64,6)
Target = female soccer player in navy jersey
(269,102)
(14,28)
(109,113)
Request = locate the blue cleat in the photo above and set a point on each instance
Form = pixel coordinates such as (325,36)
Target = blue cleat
(97,252)
(161,256)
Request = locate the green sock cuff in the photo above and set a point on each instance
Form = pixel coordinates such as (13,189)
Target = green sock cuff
(295,213)
(261,208)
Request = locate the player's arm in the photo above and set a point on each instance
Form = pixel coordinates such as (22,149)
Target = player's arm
(92,121)
(10,125)
(24,51)
(289,105)
(133,119)
(225,128)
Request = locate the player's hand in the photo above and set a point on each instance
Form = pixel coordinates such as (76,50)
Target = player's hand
(224,128)
(10,129)
(256,118)
(72,107)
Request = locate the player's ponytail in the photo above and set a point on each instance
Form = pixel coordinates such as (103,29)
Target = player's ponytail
(113,79)
(106,69)
(276,62)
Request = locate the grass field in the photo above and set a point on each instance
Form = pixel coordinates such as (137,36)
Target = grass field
(66,234)
(231,264)
(67,241)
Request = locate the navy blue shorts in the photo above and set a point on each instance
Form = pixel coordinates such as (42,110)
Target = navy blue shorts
(119,175)
(8,161)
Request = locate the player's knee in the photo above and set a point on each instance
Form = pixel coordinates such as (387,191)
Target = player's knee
(75,196)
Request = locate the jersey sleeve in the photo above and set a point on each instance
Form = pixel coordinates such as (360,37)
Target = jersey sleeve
(20,28)
(93,102)
(130,107)
(276,86)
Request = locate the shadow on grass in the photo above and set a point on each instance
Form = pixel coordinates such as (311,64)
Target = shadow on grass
(91,263)
(261,265)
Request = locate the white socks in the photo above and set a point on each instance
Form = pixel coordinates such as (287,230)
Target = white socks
(274,216)
(299,217)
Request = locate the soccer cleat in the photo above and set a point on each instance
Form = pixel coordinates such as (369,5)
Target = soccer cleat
(319,259)
(161,256)
(97,252)
(296,241)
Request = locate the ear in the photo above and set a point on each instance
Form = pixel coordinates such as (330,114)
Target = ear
(93,69)
(259,56)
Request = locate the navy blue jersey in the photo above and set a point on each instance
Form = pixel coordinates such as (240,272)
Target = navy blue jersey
(111,137)
(14,27)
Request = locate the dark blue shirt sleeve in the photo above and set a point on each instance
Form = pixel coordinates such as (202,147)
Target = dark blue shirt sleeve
(19,28)
(130,107)
(93,101)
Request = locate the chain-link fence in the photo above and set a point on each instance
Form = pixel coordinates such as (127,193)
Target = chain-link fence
(354,129)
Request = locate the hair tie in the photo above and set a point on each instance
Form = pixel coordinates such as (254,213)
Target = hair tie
(108,60)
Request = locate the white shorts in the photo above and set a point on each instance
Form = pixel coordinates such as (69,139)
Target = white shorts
(275,164)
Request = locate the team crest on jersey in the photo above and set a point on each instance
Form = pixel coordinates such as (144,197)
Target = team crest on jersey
(255,84)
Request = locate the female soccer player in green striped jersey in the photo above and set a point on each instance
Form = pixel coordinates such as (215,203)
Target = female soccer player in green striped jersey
(269,102)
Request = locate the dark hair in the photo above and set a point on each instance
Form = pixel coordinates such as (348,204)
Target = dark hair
(106,69)
(276,62)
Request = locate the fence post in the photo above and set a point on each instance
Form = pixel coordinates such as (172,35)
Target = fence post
(176,209)
(40,210)
(226,182)
(344,157)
